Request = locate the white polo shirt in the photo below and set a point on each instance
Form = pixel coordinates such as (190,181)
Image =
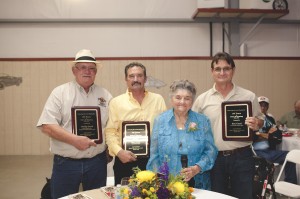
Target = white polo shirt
(209,103)
(57,110)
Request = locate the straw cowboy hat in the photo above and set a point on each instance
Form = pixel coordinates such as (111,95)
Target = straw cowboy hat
(85,55)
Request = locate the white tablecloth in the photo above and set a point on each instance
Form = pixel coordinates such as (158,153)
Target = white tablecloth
(288,144)
(198,193)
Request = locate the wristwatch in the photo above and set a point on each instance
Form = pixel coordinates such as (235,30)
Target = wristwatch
(280,5)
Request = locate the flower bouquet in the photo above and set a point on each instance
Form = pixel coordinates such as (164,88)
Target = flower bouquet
(161,185)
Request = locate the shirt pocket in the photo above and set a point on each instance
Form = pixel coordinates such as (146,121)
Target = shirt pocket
(198,136)
(165,139)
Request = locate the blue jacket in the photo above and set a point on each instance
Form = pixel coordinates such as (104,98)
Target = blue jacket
(169,143)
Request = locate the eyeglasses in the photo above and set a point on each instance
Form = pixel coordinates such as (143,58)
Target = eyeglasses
(84,68)
(225,69)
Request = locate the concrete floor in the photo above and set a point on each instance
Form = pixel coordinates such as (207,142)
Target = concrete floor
(24,176)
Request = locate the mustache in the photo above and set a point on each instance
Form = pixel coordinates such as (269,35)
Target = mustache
(138,83)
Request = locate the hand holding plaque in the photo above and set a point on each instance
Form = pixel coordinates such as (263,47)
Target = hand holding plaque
(86,121)
(234,114)
(136,137)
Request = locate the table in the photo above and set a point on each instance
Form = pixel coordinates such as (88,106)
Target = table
(199,193)
(288,144)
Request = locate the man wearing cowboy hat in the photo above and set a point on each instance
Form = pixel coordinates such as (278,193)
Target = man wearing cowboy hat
(77,159)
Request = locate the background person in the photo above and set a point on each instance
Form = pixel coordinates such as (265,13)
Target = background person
(181,131)
(267,138)
(234,165)
(292,119)
(136,104)
(77,159)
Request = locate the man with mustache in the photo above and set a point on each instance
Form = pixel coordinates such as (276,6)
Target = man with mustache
(137,104)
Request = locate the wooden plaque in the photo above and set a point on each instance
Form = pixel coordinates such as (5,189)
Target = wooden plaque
(86,121)
(136,137)
(234,114)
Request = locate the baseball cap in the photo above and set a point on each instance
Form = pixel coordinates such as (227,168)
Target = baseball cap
(263,99)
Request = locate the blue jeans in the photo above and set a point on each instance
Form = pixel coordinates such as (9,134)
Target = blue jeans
(233,174)
(277,156)
(67,174)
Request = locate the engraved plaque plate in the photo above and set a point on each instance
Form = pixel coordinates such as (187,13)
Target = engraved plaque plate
(136,137)
(86,121)
(234,114)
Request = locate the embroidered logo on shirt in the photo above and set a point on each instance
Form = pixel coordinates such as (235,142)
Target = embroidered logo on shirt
(102,101)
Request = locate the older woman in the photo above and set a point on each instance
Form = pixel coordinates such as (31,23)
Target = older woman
(181,132)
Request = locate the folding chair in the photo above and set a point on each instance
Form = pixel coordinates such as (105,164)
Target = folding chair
(286,188)
(270,181)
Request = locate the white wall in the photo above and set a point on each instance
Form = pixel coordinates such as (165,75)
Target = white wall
(127,28)
(274,40)
(97,9)
(106,40)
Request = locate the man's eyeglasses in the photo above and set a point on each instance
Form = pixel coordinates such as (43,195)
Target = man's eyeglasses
(84,68)
(225,69)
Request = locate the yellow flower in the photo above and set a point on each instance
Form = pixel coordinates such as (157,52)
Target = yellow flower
(152,189)
(145,176)
(178,188)
(126,191)
(144,191)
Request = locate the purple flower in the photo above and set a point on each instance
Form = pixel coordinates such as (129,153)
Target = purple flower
(163,193)
(135,192)
(164,171)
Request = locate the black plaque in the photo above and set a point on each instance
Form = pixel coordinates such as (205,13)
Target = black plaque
(136,137)
(86,121)
(234,114)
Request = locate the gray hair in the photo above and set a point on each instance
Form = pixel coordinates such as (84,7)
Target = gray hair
(182,84)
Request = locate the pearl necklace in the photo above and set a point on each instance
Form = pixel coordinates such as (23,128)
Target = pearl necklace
(179,123)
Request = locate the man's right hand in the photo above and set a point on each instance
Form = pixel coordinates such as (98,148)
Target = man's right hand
(126,156)
(82,143)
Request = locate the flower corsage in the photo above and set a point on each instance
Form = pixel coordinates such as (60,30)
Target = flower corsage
(192,127)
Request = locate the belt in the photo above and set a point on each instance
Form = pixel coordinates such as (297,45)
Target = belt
(75,159)
(233,151)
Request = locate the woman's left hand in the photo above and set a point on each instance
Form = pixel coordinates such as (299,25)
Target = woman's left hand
(190,172)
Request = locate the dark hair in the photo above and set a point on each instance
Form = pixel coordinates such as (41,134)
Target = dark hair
(133,64)
(222,56)
(183,84)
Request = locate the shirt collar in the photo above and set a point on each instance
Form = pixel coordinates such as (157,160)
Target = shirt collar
(170,114)
(92,87)
(129,93)
(233,91)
